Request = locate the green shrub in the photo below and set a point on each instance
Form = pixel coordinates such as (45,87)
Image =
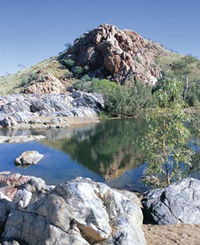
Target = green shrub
(26,80)
(119,100)
(185,69)
(67,75)
(78,71)
(68,63)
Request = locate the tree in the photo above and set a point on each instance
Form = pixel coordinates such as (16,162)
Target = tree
(165,141)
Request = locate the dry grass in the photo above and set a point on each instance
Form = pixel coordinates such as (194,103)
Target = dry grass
(10,83)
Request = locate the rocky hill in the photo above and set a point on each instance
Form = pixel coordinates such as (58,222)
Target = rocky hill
(104,52)
(110,52)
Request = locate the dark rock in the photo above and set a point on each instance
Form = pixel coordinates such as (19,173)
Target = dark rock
(177,203)
(76,95)
(37,106)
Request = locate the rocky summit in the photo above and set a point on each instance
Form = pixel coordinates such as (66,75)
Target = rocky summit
(117,54)
(79,212)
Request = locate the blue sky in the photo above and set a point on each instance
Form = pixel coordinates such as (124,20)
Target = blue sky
(33,30)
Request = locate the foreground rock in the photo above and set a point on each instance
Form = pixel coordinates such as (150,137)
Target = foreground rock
(177,203)
(78,212)
(47,110)
(117,54)
(28,158)
(20,138)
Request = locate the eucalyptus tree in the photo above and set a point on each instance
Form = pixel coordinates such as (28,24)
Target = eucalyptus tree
(166,135)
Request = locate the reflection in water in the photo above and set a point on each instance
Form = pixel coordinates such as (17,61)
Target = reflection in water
(108,149)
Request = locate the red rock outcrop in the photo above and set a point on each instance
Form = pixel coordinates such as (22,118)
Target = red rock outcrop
(44,83)
(117,54)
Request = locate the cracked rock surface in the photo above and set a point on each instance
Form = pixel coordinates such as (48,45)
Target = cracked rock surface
(177,203)
(20,110)
(79,212)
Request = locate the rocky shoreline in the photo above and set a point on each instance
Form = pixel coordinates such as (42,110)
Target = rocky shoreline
(77,212)
(49,110)
(84,212)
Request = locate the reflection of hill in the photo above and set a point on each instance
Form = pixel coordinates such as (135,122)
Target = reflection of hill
(108,148)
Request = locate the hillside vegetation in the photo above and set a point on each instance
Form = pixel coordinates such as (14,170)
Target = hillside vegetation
(12,83)
(105,59)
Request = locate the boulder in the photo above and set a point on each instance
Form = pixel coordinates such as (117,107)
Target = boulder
(177,203)
(28,158)
(78,212)
(21,190)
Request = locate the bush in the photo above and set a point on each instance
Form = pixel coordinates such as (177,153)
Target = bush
(67,75)
(185,69)
(192,96)
(77,71)
(68,63)
(119,100)
(26,80)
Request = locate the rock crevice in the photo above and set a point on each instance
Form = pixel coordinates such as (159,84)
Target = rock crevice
(79,212)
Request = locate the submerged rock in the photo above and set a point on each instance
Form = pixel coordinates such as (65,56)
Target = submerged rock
(177,203)
(78,212)
(28,158)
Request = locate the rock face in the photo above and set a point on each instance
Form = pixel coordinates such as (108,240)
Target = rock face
(117,54)
(78,212)
(44,83)
(177,203)
(47,109)
(28,158)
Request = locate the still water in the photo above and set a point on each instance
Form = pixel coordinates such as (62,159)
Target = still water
(106,152)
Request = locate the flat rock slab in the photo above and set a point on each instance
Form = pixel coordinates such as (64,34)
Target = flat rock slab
(28,158)
(177,203)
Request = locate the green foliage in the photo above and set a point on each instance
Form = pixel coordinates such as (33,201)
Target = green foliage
(77,71)
(68,62)
(169,94)
(185,69)
(26,80)
(166,137)
(192,96)
(107,148)
(120,100)
(67,75)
